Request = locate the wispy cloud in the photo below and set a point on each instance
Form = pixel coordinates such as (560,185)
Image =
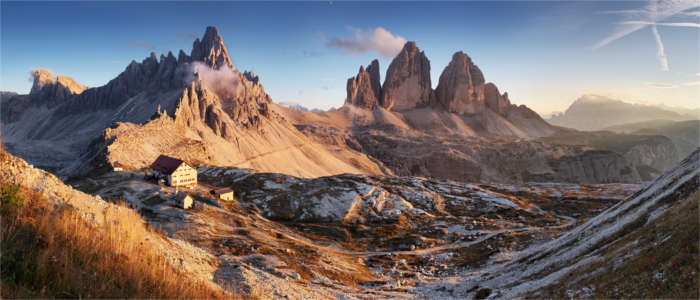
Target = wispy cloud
(674,24)
(661,85)
(660,53)
(377,40)
(650,15)
(693,83)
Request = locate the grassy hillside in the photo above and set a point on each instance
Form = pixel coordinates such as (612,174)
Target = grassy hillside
(50,251)
(657,260)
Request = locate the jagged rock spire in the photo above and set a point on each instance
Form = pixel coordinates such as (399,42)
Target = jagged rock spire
(211,50)
(462,88)
(364,90)
(407,83)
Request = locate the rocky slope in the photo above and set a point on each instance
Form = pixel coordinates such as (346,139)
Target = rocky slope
(685,135)
(191,261)
(604,243)
(593,112)
(197,106)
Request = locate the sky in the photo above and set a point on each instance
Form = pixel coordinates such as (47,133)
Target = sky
(544,54)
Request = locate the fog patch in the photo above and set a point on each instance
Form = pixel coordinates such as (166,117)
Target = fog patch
(224,82)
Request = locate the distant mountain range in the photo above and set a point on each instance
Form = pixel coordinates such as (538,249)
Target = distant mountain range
(297,106)
(593,112)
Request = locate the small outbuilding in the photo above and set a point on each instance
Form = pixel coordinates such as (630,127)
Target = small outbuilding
(117,167)
(224,194)
(183,200)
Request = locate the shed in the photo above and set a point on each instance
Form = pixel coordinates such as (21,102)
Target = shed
(117,167)
(224,194)
(183,200)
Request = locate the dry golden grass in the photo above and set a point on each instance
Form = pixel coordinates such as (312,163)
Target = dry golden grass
(50,251)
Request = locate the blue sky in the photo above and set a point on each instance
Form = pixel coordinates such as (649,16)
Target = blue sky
(544,54)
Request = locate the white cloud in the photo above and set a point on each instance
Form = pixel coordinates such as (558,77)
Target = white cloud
(651,15)
(377,40)
(660,53)
(673,24)
(653,12)
(693,83)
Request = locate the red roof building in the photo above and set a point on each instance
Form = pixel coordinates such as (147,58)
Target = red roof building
(166,164)
(175,171)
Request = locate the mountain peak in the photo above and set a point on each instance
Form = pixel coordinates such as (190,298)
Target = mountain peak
(44,80)
(211,49)
(407,82)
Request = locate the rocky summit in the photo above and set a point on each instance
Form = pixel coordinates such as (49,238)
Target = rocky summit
(407,82)
(211,50)
(364,90)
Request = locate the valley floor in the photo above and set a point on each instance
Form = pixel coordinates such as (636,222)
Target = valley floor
(356,236)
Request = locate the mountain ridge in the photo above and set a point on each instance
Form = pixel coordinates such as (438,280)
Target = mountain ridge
(218,114)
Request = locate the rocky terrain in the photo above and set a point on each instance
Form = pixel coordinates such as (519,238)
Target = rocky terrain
(685,135)
(359,236)
(195,106)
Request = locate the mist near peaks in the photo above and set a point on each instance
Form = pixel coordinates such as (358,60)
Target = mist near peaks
(224,82)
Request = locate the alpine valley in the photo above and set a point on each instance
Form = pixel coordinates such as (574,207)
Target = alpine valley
(405,192)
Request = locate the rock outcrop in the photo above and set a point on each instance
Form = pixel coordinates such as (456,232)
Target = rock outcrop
(363,90)
(211,50)
(407,83)
(462,89)
(53,89)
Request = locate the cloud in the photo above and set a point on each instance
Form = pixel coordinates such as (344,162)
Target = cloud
(692,83)
(661,85)
(674,24)
(378,40)
(225,82)
(697,74)
(651,15)
(660,53)
(140,44)
(653,12)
